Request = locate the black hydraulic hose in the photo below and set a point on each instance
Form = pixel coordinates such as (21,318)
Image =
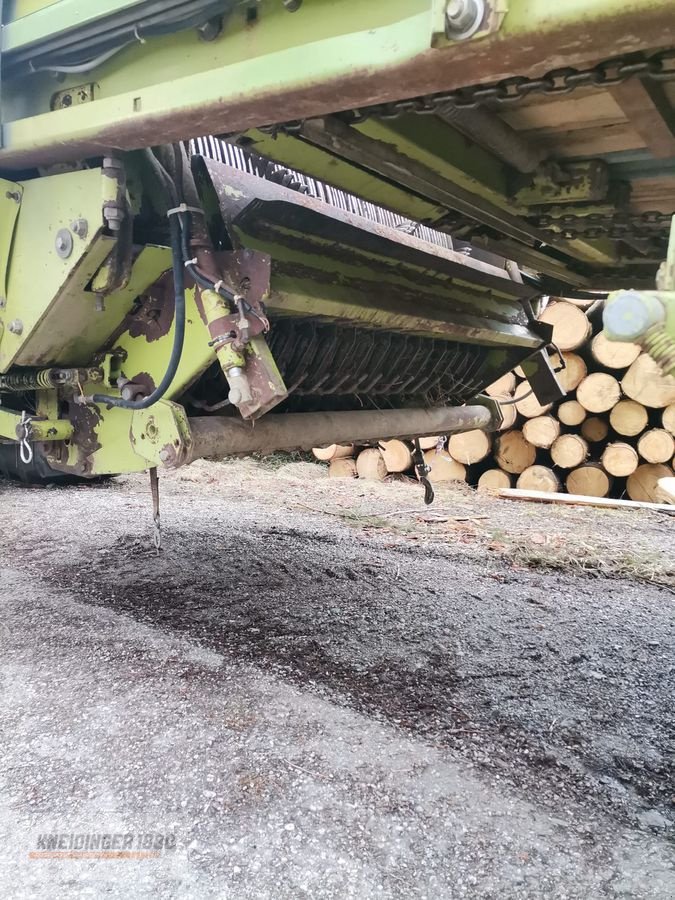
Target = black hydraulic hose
(179,332)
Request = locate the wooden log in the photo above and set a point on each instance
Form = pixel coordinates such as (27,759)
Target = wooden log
(370,465)
(504,385)
(428,443)
(656,446)
(613,354)
(668,418)
(571,413)
(666,490)
(574,372)
(620,459)
(333,451)
(342,468)
(494,480)
(578,500)
(570,325)
(599,392)
(397,455)
(538,478)
(541,431)
(444,467)
(643,484)
(569,451)
(594,429)
(509,411)
(513,453)
(646,383)
(526,402)
(591,480)
(628,418)
(469,447)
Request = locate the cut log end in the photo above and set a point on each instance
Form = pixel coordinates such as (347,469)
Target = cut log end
(646,383)
(397,455)
(643,484)
(620,459)
(571,413)
(370,465)
(541,431)
(333,451)
(628,418)
(538,478)
(526,402)
(495,480)
(470,446)
(569,451)
(570,324)
(590,480)
(599,392)
(342,468)
(594,429)
(656,446)
(574,372)
(613,354)
(502,386)
(513,452)
(444,467)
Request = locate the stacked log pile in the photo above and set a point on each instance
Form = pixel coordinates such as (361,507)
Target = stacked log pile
(613,434)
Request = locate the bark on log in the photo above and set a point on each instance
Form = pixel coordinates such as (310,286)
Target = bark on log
(333,451)
(571,413)
(469,447)
(628,418)
(538,478)
(396,455)
(526,402)
(370,465)
(541,431)
(513,453)
(613,354)
(569,451)
(656,446)
(342,468)
(646,383)
(599,392)
(643,484)
(594,429)
(620,459)
(504,385)
(495,480)
(444,467)
(570,325)
(590,480)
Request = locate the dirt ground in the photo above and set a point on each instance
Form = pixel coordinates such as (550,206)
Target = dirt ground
(326,690)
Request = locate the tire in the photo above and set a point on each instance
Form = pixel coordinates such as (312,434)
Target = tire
(38,471)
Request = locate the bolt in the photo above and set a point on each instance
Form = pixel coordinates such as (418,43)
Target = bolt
(292,5)
(463,18)
(13,195)
(63,243)
(80,227)
(15,326)
(113,216)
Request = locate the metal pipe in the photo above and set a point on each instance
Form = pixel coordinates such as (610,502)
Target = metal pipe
(219,436)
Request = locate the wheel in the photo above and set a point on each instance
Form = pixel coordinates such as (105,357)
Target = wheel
(38,471)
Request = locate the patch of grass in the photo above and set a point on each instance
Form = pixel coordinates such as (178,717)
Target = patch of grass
(279,458)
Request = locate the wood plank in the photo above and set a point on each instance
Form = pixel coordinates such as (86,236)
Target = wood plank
(577,110)
(595,141)
(651,115)
(579,500)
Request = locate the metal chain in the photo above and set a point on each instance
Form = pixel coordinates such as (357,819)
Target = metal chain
(619,225)
(510,91)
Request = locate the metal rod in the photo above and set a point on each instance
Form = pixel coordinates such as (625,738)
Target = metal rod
(219,436)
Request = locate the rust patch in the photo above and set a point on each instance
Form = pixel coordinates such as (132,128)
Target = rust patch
(152,316)
(85,421)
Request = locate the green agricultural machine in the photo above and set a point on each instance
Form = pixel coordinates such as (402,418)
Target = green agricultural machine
(229,226)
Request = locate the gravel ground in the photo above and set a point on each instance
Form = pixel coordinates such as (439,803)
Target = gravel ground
(324,690)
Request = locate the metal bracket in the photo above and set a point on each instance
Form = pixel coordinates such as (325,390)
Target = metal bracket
(161,434)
